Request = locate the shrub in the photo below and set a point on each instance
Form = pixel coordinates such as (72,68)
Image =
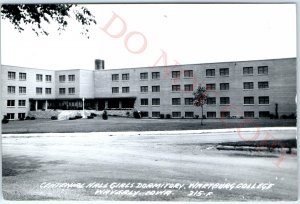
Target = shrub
(78,117)
(54,118)
(168,116)
(90,117)
(104,115)
(93,114)
(27,118)
(162,116)
(72,118)
(136,114)
(21,119)
(283,117)
(182,117)
(5,120)
(196,116)
(241,117)
(128,114)
(32,118)
(204,116)
(292,116)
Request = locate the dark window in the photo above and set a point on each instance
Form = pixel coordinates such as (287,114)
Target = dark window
(11,89)
(176,114)
(224,100)
(144,114)
(115,89)
(21,115)
(248,85)
(249,100)
(144,75)
(210,87)
(249,114)
(156,101)
(48,78)
(188,101)
(72,91)
(22,76)
(39,90)
(22,103)
(62,91)
(125,76)
(175,87)
(263,99)
(71,77)
(263,70)
(48,90)
(188,73)
(62,78)
(247,70)
(188,87)
(10,116)
(189,114)
(144,89)
(10,103)
(144,101)
(115,77)
(225,114)
(155,88)
(264,114)
(39,77)
(156,114)
(22,90)
(211,114)
(211,100)
(125,89)
(175,74)
(11,75)
(224,86)
(224,72)
(155,75)
(210,72)
(263,84)
(176,101)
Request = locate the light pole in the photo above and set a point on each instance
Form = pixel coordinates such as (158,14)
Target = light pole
(83,115)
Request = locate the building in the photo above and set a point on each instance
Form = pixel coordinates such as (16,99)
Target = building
(250,89)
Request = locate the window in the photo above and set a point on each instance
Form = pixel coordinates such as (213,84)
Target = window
(156,114)
(156,101)
(225,114)
(175,87)
(211,114)
(144,114)
(11,75)
(264,114)
(249,114)
(263,70)
(144,75)
(188,87)
(62,78)
(248,100)
(263,84)
(210,87)
(188,73)
(144,101)
(248,85)
(22,76)
(10,116)
(115,77)
(224,86)
(22,103)
(21,115)
(176,114)
(155,88)
(189,114)
(125,89)
(211,100)
(175,74)
(144,89)
(10,103)
(224,100)
(48,78)
(115,89)
(11,89)
(176,101)
(125,76)
(263,99)
(72,91)
(62,91)
(188,101)
(71,77)
(224,72)
(22,90)
(210,72)
(155,75)
(39,90)
(247,70)
(39,77)
(48,90)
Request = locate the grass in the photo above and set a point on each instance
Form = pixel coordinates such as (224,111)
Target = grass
(119,124)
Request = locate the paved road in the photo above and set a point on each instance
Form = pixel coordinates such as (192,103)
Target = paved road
(32,163)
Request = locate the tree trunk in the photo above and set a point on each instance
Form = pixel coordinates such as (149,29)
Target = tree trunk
(202,115)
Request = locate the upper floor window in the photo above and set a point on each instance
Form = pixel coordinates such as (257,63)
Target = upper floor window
(144,101)
(263,70)
(22,103)
(188,73)
(39,77)
(155,88)
(211,100)
(125,89)
(263,99)
(155,75)
(144,75)
(224,86)
(71,77)
(72,91)
(247,70)
(48,90)
(176,101)
(22,90)
(175,87)
(224,72)
(175,74)
(115,89)
(62,78)
(248,85)
(188,101)
(224,100)
(10,103)
(144,89)
(125,76)
(62,91)
(210,72)
(22,76)
(248,100)
(188,87)
(39,90)
(11,89)
(11,75)
(115,77)
(48,78)
(263,84)
(210,87)
(156,101)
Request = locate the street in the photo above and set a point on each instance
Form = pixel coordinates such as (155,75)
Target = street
(156,166)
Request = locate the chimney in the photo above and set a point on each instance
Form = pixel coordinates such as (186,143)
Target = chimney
(99,64)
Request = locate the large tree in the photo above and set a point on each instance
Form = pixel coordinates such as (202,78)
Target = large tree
(200,98)
(36,14)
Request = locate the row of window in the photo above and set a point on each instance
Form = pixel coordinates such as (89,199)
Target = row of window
(62,91)
(11,103)
(23,77)
(62,78)
(261,70)
(246,85)
(39,90)
(11,116)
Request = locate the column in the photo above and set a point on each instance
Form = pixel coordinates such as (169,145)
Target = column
(106,104)
(36,105)
(120,104)
(46,105)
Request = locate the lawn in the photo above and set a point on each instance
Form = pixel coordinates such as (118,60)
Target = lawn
(119,124)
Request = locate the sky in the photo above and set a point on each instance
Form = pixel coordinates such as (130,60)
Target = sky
(132,35)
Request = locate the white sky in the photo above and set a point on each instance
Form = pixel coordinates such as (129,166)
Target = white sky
(190,33)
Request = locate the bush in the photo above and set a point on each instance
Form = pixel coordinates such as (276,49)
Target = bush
(93,114)
(72,118)
(54,118)
(21,119)
(292,116)
(272,116)
(27,118)
(204,116)
(283,117)
(136,115)
(32,118)
(196,116)
(128,114)
(162,116)
(78,117)
(104,115)
(90,117)
(168,116)
(5,120)
(241,117)
(182,117)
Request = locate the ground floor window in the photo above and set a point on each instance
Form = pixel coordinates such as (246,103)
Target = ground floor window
(211,114)
(264,114)
(225,114)
(144,114)
(176,114)
(249,114)
(21,115)
(10,116)
(189,114)
(155,114)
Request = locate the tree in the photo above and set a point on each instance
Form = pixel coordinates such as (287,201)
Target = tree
(200,98)
(36,14)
